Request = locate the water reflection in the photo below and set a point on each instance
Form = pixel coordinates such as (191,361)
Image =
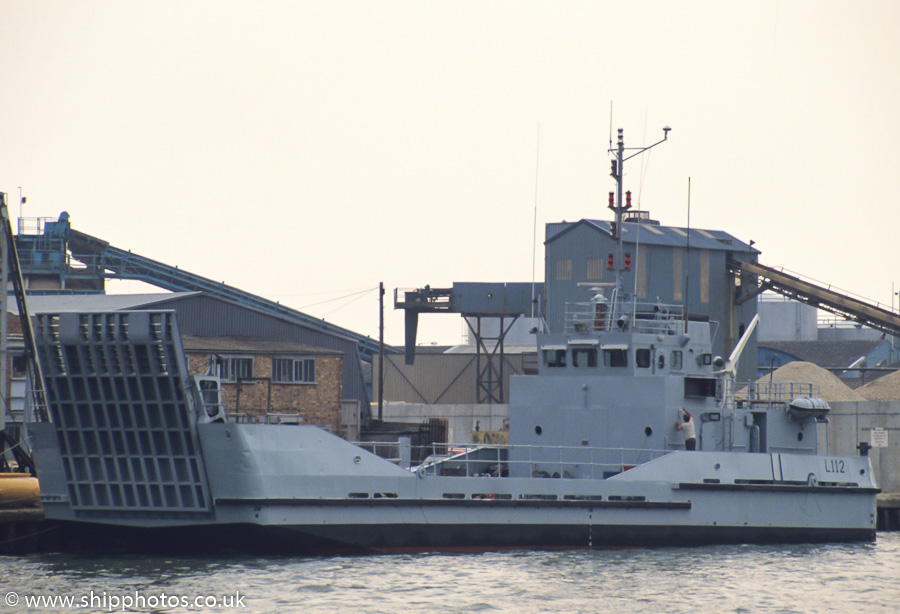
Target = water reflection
(801,578)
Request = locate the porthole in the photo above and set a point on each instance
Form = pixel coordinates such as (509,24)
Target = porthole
(538,430)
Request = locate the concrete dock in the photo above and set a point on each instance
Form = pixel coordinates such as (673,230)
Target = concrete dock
(26,531)
(888,509)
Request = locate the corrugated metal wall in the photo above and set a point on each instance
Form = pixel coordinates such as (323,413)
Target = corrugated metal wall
(440,378)
(583,251)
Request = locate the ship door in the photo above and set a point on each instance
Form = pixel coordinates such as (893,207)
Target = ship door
(758,432)
(213,409)
(707,433)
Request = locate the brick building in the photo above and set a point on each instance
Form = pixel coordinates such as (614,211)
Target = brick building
(264,376)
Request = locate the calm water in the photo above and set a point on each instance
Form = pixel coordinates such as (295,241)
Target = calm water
(823,578)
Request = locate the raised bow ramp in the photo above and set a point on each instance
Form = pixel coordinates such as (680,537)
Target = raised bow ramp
(122,417)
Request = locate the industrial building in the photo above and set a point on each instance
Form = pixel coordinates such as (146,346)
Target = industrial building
(275,381)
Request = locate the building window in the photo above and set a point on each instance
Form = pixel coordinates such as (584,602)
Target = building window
(563,270)
(704,276)
(677,275)
(236,367)
(594,269)
(294,370)
(640,271)
(19,366)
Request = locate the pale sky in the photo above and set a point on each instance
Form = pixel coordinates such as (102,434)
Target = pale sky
(305,151)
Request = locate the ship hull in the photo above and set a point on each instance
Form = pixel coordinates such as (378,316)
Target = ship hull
(87,537)
(298,490)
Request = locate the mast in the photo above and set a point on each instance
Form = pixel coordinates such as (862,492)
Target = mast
(381,350)
(619,207)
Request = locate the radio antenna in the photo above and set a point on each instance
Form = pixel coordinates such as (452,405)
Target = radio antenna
(537,165)
(687,268)
(610,124)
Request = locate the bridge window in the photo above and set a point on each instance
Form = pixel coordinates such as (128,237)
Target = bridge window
(642,358)
(699,387)
(677,360)
(584,357)
(555,357)
(615,357)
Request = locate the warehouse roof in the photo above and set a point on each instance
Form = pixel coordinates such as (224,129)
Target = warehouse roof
(85,303)
(654,234)
(251,345)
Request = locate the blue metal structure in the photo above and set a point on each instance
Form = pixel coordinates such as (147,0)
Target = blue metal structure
(469,299)
(474,301)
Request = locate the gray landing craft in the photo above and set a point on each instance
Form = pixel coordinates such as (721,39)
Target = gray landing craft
(135,454)
(138,455)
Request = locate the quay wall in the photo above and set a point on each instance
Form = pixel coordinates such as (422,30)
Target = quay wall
(852,422)
(25,531)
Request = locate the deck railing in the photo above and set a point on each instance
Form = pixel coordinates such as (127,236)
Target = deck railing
(769,391)
(500,460)
(654,318)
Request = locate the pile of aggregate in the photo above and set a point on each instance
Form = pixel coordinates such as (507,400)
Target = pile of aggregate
(829,386)
(885,388)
